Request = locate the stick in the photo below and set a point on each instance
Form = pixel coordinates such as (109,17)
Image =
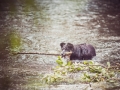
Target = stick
(42,53)
(39,53)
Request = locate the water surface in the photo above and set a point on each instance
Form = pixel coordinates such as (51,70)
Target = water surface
(43,24)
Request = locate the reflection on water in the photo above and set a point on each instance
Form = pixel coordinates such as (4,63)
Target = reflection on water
(10,43)
(5,81)
(108,15)
(42,25)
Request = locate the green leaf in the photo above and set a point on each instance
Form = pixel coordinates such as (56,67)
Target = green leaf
(91,63)
(87,75)
(69,63)
(85,62)
(108,64)
(103,71)
(59,61)
(88,62)
(78,69)
(112,74)
(52,79)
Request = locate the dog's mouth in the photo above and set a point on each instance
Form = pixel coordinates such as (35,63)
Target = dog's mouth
(66,54)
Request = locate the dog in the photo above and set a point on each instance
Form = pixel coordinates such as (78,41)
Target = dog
(77,52)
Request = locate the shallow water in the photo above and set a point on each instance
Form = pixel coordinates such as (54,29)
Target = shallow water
(44,24)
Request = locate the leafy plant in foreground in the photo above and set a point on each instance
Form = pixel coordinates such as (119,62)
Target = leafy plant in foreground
(90,72)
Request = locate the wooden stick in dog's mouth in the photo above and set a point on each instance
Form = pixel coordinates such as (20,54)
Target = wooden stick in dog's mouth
(68,53)
(54,54)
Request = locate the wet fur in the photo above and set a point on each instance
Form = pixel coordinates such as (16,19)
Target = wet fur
(79,52)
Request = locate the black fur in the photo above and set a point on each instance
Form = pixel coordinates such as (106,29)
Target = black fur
(79,52)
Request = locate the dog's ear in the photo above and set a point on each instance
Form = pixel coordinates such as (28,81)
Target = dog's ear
(62,44)
(70,46)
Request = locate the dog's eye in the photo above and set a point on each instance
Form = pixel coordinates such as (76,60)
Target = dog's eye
(67,50)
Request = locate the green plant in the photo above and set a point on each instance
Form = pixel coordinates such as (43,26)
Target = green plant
(14,42)
(90,72)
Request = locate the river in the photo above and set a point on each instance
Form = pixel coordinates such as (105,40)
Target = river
(43,24)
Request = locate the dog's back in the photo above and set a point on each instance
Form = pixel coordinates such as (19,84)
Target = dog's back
(83,52)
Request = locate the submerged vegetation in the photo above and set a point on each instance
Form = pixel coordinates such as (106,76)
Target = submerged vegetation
(89,71)
(15,42)
(10,43)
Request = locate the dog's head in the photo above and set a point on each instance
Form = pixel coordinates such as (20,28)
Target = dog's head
(67,49)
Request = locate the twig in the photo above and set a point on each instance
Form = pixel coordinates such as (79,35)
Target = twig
(39,53)
(42,53)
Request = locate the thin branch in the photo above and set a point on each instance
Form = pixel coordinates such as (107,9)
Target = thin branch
(39,53)
(54,54)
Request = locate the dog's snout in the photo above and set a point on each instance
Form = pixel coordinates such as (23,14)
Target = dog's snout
(63,53)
